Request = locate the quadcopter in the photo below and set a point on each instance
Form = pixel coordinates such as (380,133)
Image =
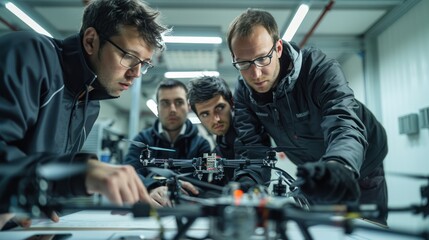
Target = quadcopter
(234,214)
(212,168)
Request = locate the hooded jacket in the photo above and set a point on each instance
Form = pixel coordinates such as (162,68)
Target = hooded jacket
(311,107)
(43,119)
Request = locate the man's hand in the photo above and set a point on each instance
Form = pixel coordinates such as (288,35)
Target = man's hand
(328,182)
(160,196)
(187,187)
(119,183)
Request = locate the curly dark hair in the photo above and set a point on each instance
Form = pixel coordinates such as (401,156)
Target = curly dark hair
(205,88)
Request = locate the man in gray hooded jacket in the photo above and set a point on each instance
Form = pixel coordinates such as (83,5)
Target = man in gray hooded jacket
(301,98)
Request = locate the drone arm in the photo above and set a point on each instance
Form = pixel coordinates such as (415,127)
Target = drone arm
(37,178)
(284,175)
(171,163)
(202,184)
(235,163)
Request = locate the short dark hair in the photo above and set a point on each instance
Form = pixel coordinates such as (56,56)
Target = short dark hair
(109,16)
(205,88)
(169,84)
(243,25)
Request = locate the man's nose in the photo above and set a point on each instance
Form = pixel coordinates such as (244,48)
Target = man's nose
(255,71)
(216,117)
(172,107)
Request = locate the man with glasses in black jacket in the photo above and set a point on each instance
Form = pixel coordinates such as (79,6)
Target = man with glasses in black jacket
(302,99)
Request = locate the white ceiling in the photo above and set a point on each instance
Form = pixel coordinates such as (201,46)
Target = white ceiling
(340,32)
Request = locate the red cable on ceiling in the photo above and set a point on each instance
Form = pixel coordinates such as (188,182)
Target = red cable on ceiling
(307,36)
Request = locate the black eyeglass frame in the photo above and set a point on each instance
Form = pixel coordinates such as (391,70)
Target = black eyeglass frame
(145,65)
(269,55)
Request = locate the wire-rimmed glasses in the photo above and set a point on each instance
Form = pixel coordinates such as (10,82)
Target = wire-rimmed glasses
(129,60)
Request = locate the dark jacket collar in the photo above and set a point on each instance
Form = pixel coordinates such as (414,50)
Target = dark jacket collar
(290,67)
(225,143)
(77,72)
(190,132)
(227,140)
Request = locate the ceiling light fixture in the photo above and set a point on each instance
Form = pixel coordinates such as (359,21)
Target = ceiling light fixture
(26,19)
(189,39)
(194,120)
(191,74)
(151,104)
(296,22)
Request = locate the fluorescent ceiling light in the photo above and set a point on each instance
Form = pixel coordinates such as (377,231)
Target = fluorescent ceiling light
(151,104)
(26,19)
(194,119)
(188,39)
(296,22)
(191,74)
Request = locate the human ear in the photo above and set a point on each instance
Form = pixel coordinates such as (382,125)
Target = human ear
(91,41)
(279,48)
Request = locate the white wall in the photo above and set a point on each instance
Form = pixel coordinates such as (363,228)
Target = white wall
(403,58)
(404,81)
(353,70)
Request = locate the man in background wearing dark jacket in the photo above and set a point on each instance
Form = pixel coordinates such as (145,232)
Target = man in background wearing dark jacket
(172,130)
(302,99)
(49,101)
(211,100)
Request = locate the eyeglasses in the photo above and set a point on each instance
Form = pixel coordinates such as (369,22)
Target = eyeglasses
(129,60)
(260,61)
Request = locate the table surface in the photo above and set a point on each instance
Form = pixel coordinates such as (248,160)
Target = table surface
(105,225)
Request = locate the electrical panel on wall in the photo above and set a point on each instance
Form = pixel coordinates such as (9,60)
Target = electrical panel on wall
(424,117)
(409,124)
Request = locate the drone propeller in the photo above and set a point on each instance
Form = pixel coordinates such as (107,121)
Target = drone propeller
(260,148)
(408,175)
(167,173)
(49,171)
(142,145)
